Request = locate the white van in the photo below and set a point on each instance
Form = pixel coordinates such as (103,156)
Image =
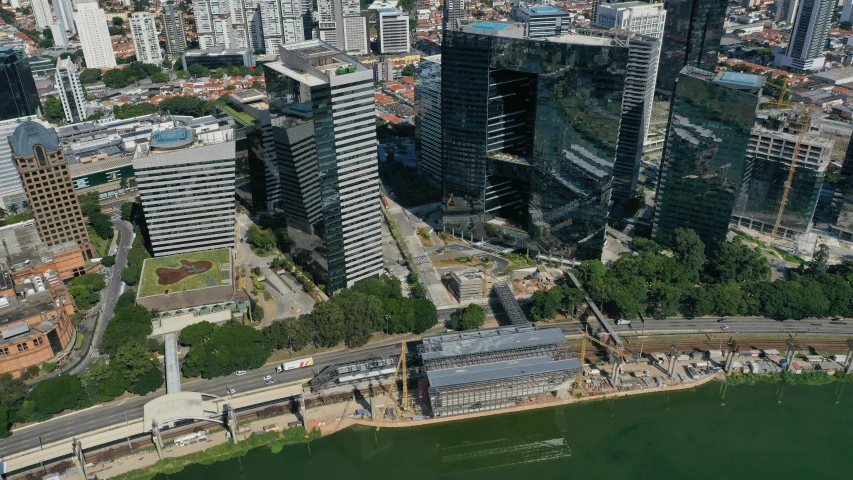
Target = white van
(623,321)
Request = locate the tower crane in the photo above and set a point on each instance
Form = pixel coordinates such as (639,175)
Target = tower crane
(404,400)
(616,353)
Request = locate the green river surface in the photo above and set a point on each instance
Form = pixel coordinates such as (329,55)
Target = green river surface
(743,432)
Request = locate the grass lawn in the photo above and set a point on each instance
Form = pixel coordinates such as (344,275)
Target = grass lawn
(243,118)
(218,274)
(102,247)
(410,190)
(454,262)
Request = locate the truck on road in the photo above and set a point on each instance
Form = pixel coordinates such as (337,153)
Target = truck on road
(294,364)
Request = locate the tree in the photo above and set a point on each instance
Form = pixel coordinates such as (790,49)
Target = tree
(160,77)
(133,360)
(196,334)
(56,395)
(92,281)
(129,111)
(737,261)
(125,300)
(131,323)
(149,381)
(329,323)
(363,316)
(689,250)
(12,390)
(846,26)
(13,209)
(182,74)
(126,211)
(546,303)
(89,203)
(90,75)
(820,261)
(262,239)
(408,70)
(84,298)
(257,312)
(108,261)
(53,110)
(469,318)
(663,300)
(102,225)
(190,106)
(230,348)
(590,274)
(118,21)
(288,333)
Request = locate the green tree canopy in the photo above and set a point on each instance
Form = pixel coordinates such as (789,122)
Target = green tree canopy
(689,250)
(102,225)
(56,395)
(130,324)
(232,347)
(737,261)
(89,203)
(197,333)
(469,318)
(90,75)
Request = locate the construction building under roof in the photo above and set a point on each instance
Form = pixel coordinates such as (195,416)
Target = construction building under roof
(495,368)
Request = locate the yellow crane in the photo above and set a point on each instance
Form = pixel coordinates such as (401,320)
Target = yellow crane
(404,400)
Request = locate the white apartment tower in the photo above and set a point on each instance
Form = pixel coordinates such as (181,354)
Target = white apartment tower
(786,10)
(808,36)
(172,23)
(41,10)
(70,91)
(145,38)
(186,183)
(393,31)
(327,158)
(60,36)
(637,17)
(281,22)
(847,12)
(248,30)
(214,24)
(94,35)
(65,14)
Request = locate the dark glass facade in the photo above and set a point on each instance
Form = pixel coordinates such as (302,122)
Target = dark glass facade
(530,130)
(19,95)
(841,223)
(691,38)
(704,157)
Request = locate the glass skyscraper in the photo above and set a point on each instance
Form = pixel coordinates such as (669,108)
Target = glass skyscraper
(530,130)
(20,97)
(704,157)
(691,38)
(841,223)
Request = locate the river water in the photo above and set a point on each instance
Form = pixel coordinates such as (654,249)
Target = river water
(743,432)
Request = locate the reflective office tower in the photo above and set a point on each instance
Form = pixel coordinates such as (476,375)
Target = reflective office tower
(16,82)
(41,162)
(638,17)
(64,10)
(325,136)
(70,91)
(847,12)
(172,24)
(281,22)
(636,106)
(41,10)
(393,31)
(691,38)
(541,21)
(841,222)
(214,24)
(454,10)
(768,166)
(186,184)
(60,36)
(530,130)
(145,38)
(428,101)
(786,10)
(12,196)
(94,35)
(704,157)
(808,36)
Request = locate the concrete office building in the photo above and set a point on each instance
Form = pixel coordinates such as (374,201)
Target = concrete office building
(394,34)
(327,159)
(41,162)
(808,36)
(704,159)
(513,151)
(542,21)
(70,91)
(638,17)
(21,97)
(343,26)
(356,35)
(186,184)
(428,100)
(12,194)
(42,13)
(94,35)
(172,24)
(691,38)
(215,57)
(145,38)
(214,24)
(768,165)
(454,10)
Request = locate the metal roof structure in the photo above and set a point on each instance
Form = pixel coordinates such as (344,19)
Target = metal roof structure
(499,370)
(488,340)
(30,134)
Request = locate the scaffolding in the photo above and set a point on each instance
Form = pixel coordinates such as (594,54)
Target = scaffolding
(510,304)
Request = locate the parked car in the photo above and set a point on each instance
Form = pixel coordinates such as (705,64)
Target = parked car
(231,390)
(267,378)
(722,320)
(240,373)
(623,321)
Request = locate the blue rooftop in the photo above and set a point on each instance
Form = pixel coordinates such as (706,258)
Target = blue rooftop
(174,138)
(740,79)
(387,10)
(545,9)
(489,25)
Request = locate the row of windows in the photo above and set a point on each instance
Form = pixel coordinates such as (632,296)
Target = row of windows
(22,347)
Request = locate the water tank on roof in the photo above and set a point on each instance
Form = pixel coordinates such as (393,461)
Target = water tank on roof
(41,288)
(30,292)
(27,280)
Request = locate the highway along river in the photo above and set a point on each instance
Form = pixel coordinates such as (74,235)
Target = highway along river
(743,432)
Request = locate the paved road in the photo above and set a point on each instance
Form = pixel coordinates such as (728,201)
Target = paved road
(131,409)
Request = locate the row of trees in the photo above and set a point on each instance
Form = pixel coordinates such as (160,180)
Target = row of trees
(735,280)
(132,212)
(85,290)
(132,73)
(131,369)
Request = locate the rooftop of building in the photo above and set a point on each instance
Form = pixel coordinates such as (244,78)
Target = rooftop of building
(488,340)
(21,246)
(28,307)
(214,51)
(185,272)
(109,163)
(30,134)
(182,138)
(467,277)
(314,62)
(248,96)
(542,10)
(498,370)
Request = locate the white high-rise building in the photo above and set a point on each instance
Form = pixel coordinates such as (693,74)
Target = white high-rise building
(172,23)
(145,38)
(94,35)
(393,30)
(847,12)
(65,14)
(637,17)
(60,36)
(281,22)
(356,35)
(186,183)
(248,30)
(326,21)
(808,36)
(41,10)
(214,24)
(327,159)
(70,91)
(786,10)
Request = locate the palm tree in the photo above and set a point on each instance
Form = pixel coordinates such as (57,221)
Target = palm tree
(25,205)
(131,183)
(14,209)
(123,183)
